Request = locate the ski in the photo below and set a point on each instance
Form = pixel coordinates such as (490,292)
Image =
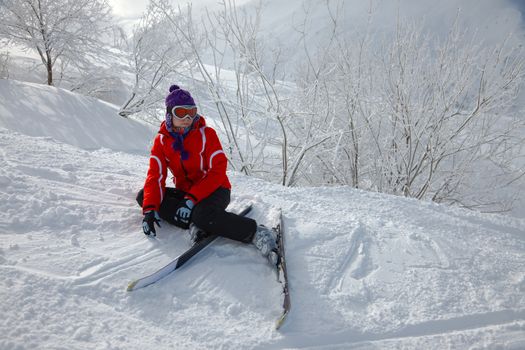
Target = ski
(179,261)
(282,273)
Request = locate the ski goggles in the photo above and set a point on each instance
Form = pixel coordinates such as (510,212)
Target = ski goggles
(183,112)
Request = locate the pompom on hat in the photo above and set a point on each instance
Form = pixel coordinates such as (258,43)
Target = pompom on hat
(178,97)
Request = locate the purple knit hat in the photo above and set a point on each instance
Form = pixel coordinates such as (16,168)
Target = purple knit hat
(178,97)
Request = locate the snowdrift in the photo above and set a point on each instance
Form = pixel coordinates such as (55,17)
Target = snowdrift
(85,122)
(366,270)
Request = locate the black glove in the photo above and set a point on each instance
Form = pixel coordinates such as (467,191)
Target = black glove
(183,213)
(148,223)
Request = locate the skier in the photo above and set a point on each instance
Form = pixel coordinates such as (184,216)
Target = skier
(193,153)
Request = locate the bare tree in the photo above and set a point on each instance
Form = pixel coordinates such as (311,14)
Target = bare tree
(405,113)
(155,54)
(257,96)
(447,105)
(313,125)
(266,134)
(66,30)
(426,117)
(218,34)
(412,114)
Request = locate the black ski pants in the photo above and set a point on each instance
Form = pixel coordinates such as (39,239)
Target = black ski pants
(209,215)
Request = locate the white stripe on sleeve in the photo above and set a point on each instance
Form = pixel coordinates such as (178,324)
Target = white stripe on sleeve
(213,155)
(203,148)
(160,176)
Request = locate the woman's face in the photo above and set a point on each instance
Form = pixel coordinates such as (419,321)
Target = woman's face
(182,116)
(181,123)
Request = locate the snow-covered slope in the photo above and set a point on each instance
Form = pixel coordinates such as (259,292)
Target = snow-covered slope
(85,122)
(366,270)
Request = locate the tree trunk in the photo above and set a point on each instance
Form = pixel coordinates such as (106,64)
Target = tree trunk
(49,67)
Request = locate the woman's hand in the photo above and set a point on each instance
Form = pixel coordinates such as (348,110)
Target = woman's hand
(183,213)
(148,223)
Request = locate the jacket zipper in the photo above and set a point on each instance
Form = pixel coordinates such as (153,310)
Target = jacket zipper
(184,170)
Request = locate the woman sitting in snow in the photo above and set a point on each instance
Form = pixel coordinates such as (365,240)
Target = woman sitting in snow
(193,153)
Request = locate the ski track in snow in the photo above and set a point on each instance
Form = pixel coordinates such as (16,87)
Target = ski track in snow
(376,272)
(366,270)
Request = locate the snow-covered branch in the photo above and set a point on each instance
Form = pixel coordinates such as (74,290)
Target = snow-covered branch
(58,30)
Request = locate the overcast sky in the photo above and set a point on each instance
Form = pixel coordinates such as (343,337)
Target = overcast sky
(128,9)
(133,9)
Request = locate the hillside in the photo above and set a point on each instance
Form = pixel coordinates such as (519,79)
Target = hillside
(367,271)
(85,122)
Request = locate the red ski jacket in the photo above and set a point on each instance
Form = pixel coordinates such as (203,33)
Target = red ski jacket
(203,172)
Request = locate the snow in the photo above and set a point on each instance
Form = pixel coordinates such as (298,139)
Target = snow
(366,270)
(41,110)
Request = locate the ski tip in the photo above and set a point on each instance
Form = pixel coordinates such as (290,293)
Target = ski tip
(131,286)
(281,320)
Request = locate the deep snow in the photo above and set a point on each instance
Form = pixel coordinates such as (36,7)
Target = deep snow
(41,110)
(366,270)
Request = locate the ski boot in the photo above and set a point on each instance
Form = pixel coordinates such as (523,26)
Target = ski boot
(196,234)
(265,240)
